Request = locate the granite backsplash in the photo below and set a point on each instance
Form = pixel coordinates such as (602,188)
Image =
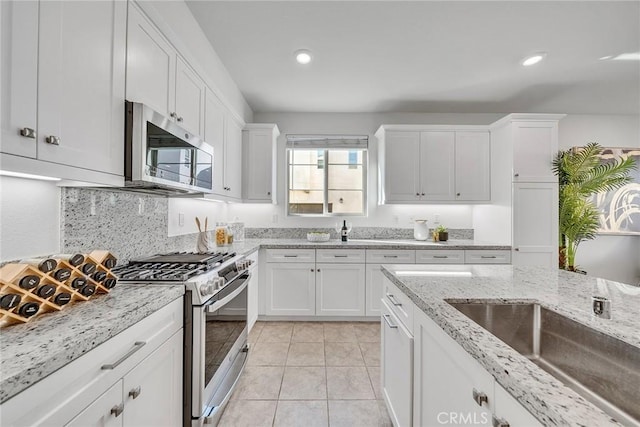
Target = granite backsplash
(132,225)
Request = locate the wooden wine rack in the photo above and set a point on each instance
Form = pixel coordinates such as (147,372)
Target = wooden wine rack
(11,274)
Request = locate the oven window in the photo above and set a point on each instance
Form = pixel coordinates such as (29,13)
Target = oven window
(175,160)
(222,331)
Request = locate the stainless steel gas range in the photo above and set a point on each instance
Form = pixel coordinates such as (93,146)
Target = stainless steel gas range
(215,323)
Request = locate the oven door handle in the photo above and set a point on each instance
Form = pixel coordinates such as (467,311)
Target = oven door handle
(217,305)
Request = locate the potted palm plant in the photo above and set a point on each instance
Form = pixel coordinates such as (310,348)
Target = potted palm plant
(582,174)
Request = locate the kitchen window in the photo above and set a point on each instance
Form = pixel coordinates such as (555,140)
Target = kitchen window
(326,175)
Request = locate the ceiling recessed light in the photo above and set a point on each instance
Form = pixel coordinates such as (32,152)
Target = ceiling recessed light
(533,59)
(303,56)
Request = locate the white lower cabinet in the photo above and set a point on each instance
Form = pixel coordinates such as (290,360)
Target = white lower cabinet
(134,379)
(397,358)
(340,289)
(105,411)
(290,289)
(451,388)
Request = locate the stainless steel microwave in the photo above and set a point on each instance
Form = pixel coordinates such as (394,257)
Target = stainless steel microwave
(163,158)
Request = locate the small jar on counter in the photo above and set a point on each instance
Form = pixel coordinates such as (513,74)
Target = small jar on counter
(221,234)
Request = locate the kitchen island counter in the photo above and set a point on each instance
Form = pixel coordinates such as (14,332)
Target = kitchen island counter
(31,351)
(549,400)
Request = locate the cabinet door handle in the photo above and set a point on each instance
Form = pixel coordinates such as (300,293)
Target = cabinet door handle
(390,256)
(499,422)
(517,249)
(179,119)
(480,397)
(422,194)
(458,194)
(488,256)
(268,193)
(291,256)
(393,300)
(317,270)
(441,256)
(386,318)
(52,139)
(136,346)
(173,115)
(417,194)
(117,410)
(516,175)
(28,133)
(312,270)
(341,256)
(135,392)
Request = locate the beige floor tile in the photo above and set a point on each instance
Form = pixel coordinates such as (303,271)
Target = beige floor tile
(259,382)
(343,354)
(371,353)
(354,413)
(339,332)
(304,383)
(385,420)
(308,332)
(255,332)
(367,331)
(249,413)
(268,354)
(276,332)
(348,383)
(376,381)
(296,413)
(306,354)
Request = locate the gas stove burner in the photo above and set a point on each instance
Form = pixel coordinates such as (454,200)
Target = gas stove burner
(180,258)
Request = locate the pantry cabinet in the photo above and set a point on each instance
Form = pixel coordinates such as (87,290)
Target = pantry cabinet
(259,144)
(422,164)
(535,145)
(159,77)
(76,136)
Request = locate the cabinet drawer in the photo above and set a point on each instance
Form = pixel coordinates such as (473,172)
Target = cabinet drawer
(382,256)
(487,257)
(337,256)
(291,255)
(440,257)
(399,303)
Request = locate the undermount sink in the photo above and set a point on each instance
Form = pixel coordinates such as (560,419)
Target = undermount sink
(601,368)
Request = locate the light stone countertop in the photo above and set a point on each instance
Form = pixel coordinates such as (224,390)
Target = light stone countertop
(31,351)
(566,293)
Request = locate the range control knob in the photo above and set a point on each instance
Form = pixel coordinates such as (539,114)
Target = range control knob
(207,289)
(218,282)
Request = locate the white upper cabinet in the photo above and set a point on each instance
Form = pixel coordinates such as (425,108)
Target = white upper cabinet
(472,165)
(258,155)
(158,77)
(18,94)
(190,93)
(74,86)
(423,164)
(81,84)
(437,163)
(535,144)
(224,134)
(151,64)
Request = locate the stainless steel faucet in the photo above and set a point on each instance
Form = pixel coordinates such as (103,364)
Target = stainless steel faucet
(601,307)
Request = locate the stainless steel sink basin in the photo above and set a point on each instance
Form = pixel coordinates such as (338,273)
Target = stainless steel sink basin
(601,368)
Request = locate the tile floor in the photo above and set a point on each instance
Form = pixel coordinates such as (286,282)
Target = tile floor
(310,374)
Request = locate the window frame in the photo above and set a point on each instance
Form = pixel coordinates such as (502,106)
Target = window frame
(325,204)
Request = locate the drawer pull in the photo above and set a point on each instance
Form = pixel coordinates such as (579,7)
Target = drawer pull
(135,392)
(390,256)
(499,422)
(136,346)
(488,257)
(28,132)
(386,318)
(441,256)
(291,256)
(117,410)
(480,397)
(341,256)
(393,300)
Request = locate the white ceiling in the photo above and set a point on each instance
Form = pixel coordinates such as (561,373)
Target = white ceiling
(428,56)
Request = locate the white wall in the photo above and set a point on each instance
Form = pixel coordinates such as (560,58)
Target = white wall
(192,208)
(609,256)
(29,218)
